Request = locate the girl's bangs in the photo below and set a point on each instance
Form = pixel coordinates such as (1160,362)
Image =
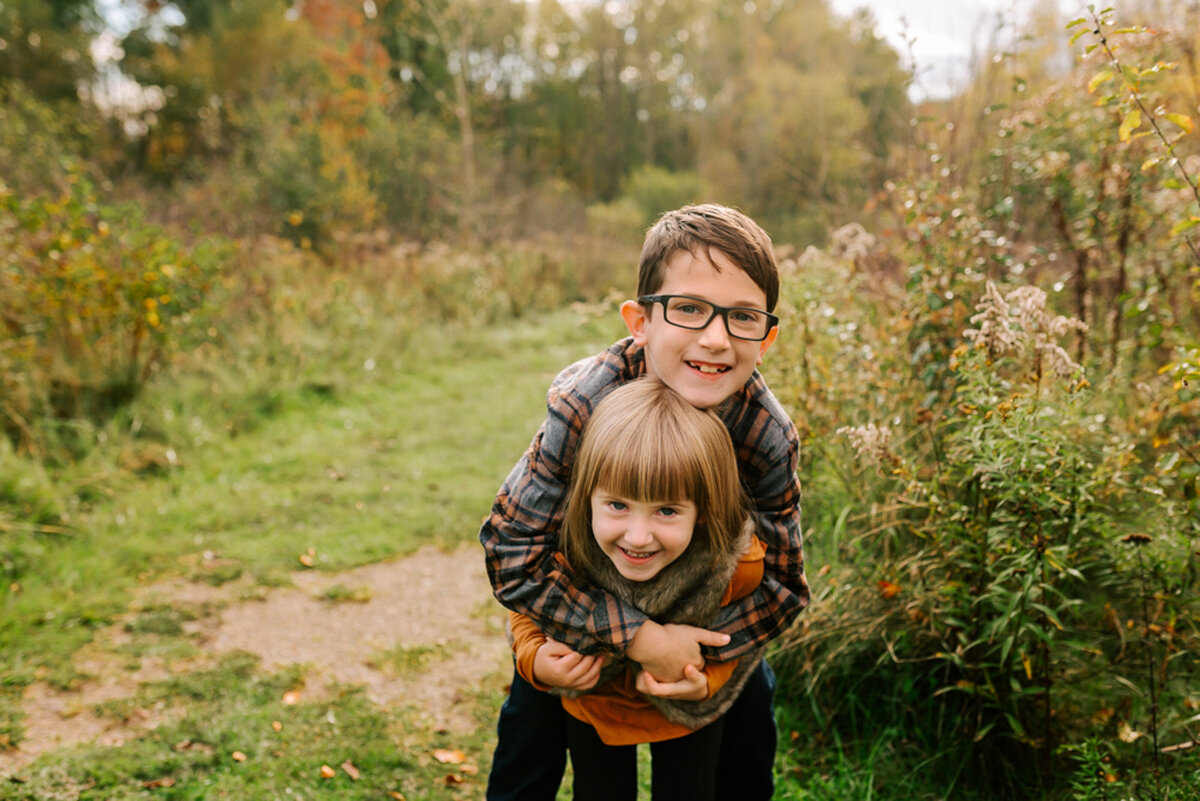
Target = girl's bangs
(642,469)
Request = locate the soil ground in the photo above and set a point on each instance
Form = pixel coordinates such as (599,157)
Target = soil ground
(435,606)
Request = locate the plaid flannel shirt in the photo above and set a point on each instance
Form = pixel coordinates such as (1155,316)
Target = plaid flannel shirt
(530,576)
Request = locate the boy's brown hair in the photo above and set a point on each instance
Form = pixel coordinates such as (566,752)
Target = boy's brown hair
(699,229)
(646,443)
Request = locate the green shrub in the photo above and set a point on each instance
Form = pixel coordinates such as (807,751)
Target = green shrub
(93,301)
(989,591)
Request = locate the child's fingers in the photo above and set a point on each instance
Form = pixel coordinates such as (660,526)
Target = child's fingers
(711,638)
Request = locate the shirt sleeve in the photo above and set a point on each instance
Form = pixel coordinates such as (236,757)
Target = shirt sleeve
(520,539)
(527,638)
(768,450)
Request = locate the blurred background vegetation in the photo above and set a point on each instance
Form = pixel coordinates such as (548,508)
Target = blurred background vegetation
(210,210)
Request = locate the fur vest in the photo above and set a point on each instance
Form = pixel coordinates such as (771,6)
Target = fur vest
(689,592)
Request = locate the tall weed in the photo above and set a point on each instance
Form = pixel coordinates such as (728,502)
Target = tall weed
(977,595)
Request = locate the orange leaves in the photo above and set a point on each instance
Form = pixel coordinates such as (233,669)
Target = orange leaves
(449,757)
(888,589)
(347,767)
(453,756)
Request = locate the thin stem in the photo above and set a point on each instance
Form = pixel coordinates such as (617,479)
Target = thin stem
(1150,671)
(1136,95)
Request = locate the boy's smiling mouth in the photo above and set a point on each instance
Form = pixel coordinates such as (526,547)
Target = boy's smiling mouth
(709,369)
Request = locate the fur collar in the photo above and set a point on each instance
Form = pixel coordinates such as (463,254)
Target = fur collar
(689,592)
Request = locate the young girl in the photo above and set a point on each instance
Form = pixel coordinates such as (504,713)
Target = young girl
(656,516)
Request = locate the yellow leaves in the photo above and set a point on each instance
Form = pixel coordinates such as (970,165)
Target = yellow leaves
(327,772)
(1027,663)
(309,557)
(1101,77)
(291,698)
(238,756)
(1126,733)
(1182,120)
(1185,225)
(1131,122)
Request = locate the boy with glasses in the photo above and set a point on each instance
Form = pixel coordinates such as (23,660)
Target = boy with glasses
(707,286)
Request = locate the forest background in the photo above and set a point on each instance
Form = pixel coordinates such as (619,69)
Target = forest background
(222,218)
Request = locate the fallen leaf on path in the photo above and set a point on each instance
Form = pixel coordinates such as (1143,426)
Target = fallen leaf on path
(309,557)
(238,756)
(453,778)
(449,757)
(154,784)
(327,772)
(291,698)
(395,795)
(469,769)
(351,771)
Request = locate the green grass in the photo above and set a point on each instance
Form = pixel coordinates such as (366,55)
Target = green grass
(358,467)
(235,737)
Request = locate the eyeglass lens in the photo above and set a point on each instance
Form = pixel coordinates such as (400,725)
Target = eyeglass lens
(692,313)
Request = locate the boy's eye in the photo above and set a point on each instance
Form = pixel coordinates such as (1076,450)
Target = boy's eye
(689,309)
(743,316)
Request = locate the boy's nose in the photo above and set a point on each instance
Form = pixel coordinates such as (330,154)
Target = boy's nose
(715,335)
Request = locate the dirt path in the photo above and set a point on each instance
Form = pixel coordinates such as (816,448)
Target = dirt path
(435,606)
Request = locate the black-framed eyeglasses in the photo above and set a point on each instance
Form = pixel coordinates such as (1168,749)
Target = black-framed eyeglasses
(741,322)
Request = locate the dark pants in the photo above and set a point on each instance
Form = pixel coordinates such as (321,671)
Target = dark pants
(683,769)
(531,751)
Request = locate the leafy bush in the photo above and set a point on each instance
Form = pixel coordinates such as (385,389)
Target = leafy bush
(93,301)
(983,600)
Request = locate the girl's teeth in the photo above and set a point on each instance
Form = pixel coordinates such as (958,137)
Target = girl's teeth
(704,368)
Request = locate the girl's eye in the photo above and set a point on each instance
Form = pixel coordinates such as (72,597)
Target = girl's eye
(668,511)
(616,506)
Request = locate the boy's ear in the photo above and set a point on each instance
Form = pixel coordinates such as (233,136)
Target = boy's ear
(765,345)
(634,315)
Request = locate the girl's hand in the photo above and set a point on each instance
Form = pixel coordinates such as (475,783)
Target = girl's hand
(558,666)
(692,687)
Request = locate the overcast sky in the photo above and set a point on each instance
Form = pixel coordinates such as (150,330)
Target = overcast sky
(945,32)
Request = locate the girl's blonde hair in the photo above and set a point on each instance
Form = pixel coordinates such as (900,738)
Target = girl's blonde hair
(646,443)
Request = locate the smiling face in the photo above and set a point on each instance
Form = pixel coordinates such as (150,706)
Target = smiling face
(704,366)
(641,538)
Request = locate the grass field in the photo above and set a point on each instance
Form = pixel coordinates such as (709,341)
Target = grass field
(342,472)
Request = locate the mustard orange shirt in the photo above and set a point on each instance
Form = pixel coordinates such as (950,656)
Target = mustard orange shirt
(617,711)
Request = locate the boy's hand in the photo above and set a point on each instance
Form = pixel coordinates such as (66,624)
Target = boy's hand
(664,651)
(692,687)
(558,666)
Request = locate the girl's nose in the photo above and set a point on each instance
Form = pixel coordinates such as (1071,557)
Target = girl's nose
(639,533)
